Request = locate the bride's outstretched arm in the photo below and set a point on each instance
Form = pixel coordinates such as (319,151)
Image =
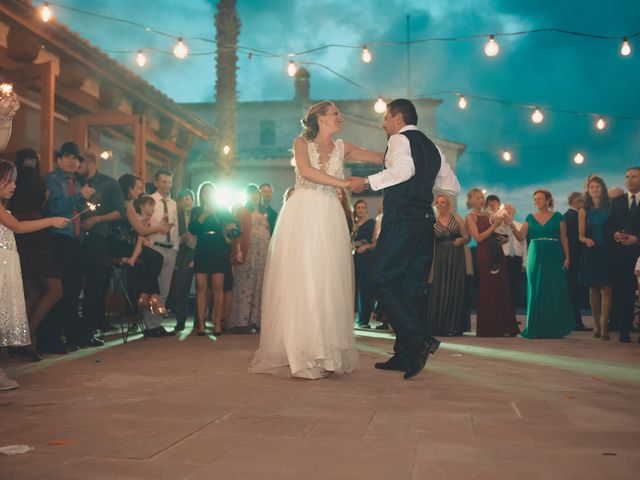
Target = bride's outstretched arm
(354,153)
(308,172)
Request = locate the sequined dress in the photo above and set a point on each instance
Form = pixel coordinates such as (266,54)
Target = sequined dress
(14,328)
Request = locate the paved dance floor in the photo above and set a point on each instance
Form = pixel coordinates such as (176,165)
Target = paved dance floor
(185,408)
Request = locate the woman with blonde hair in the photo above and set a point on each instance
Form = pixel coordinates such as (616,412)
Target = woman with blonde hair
(448,304)
(308,292)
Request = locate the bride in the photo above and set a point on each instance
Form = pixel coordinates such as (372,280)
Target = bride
(308,292)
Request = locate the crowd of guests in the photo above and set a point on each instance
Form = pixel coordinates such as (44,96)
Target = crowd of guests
(75,225)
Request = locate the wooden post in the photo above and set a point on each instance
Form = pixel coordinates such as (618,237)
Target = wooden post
(140,155)
(47,117)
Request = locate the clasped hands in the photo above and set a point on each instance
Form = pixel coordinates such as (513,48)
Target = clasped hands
(355,184)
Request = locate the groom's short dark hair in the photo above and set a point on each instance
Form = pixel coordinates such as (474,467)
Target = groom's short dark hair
(404,107)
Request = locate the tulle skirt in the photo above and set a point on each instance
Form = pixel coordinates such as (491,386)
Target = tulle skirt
(308,291)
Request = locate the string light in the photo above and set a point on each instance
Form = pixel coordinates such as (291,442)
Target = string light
(462,102)
(491,49)
(180,50)
(226,149)
(105,155)
(537,117)
(506,155)
(141,59)
(625,48)
(601,124)
(366,55)
(578,158)
(46,14)
(380,106)
(291,68)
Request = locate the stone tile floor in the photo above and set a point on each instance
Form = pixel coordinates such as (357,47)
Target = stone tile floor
(186,408)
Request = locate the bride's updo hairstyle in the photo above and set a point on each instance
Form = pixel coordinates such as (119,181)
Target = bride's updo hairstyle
(309,123)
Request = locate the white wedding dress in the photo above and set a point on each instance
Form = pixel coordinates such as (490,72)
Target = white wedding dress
(308,291)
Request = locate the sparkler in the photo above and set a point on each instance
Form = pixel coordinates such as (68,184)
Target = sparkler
(5,89)
(90,207)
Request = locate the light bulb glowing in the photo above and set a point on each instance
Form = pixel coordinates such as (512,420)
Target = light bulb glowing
(537,116)
(226,149)
(45,13)
(141,59)
(491,49)
(625,48)
(6,89)
(578,158)
(366,55)
(291,68)
(506,155)
(380,106)
(180,50)
(462,102)
(105,155)
(601,124)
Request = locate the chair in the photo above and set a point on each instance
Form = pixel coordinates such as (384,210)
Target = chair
(119,287)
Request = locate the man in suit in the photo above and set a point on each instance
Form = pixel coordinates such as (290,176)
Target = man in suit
(413,167)
(266,194)
(623,228)
(183,272)
(576,292)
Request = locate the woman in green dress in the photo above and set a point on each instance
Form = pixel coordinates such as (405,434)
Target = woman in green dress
(549,311)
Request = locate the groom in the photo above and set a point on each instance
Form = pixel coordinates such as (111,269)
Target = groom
(414,166)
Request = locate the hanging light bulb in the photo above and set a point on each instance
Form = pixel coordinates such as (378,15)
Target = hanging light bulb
(291,68)
(601,124)
(578,158)
(45,13)
(105,155)
(491,49)
(380,106)
(141,59)
(537,116)
(625,48)
(462,102)
(506,155)
(180,50)
(366,55)
(226,149)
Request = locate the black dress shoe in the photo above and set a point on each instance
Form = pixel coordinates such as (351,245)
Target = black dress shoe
(153,332)
(582,328)
(419,360)
(625,338)
(92,342)
(392,364)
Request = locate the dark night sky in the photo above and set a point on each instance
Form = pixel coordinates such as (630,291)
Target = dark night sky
(545,69)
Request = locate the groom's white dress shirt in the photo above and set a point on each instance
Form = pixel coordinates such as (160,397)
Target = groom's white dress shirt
(400,167)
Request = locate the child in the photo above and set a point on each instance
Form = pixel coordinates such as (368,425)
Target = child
(496,211)
(145,205)
(14,328)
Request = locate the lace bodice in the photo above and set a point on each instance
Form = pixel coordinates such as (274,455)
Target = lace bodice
(7,239)
(334,167)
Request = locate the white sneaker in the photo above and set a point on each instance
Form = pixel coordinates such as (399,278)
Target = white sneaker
(6,383)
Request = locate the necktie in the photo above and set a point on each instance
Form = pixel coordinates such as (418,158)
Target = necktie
(634,205)
(165,218)
(76,218)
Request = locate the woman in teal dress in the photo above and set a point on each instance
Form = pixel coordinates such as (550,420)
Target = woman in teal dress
(549,310)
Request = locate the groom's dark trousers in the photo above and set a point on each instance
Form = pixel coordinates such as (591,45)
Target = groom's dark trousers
(405,253)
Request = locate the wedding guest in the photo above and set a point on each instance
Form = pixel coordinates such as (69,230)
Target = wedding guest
(145,205)
(595,260)
(183,273)
(495,312)
(211,225)
(14,327)
(166,213)
(40,271)
(576,290)
(266,194)
(287,194)
(515,251)
(95,244)
(495,210)
(67,198)
(549,312)
(623,228)
(615,192)
(379,312)
(250,260)
(123,238)
(448,303)
(364,262)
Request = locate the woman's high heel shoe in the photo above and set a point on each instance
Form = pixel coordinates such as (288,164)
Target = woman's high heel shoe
(605,336)
(32,355)
(596,334)
(156,307)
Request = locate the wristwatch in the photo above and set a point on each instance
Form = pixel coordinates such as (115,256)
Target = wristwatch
(367,186)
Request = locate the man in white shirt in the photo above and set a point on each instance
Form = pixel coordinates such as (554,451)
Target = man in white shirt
(166,212)
(414,168)
(515,252)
